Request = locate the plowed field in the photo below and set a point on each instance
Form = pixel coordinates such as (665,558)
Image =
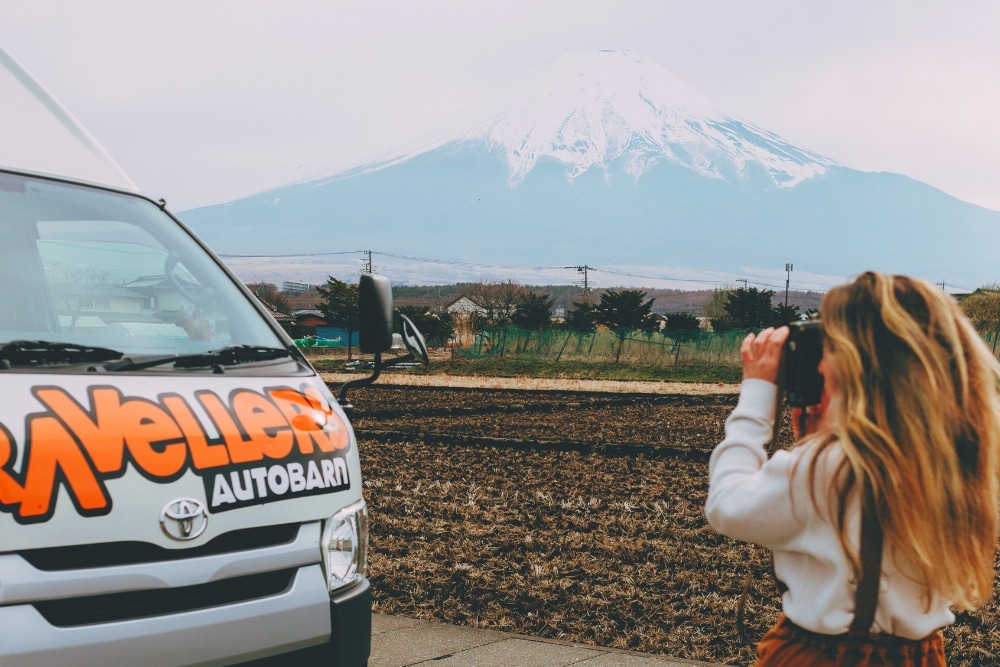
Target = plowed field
(571,515)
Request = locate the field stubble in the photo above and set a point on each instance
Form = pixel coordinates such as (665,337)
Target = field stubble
(571,515)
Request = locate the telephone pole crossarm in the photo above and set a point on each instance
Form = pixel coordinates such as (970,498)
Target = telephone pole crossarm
(583,269)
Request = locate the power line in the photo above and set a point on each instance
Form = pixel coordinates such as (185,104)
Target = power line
(473,265)
(586,269)
(638,275)
(303,254)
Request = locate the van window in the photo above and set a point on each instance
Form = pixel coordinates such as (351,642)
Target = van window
(91,267)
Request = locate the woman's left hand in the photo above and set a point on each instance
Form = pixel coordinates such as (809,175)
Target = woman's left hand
(761,354)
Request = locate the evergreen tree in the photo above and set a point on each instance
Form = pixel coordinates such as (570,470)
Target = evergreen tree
(581,317)
(623,311)
(533,311)
(339,305)
(681,326)
(681,322)
(750,308)
(784,315)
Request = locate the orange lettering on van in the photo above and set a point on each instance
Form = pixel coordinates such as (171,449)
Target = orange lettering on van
(334,429)
(313,421)
(224,422)
(103,438)
(266,428)
(10,488)
(203,455)
(150,434)
(59,454)
(79,449)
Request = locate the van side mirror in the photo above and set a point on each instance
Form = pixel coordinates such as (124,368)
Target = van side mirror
(375,314)
(414,341)
(375,333)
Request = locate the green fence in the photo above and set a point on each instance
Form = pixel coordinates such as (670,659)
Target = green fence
(658,348)
(992,339)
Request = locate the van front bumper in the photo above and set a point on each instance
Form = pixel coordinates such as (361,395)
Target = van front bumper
(302,616)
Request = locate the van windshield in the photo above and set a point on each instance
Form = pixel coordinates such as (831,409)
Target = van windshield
(93,268)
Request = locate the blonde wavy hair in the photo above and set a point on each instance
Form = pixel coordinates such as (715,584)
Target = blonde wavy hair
(918,418)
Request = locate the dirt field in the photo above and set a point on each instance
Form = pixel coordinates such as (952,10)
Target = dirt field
(569,514)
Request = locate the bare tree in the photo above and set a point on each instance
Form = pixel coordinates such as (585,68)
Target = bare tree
(498,299)
(77,288)
(982,307)
(269,294)
(715,310)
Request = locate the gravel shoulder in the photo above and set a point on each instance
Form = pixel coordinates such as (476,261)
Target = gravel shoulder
(549,384)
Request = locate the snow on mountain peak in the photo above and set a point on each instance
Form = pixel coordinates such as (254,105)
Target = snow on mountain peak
(602,108)
(596,108)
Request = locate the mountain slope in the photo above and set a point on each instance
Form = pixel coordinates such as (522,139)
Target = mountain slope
(607,157)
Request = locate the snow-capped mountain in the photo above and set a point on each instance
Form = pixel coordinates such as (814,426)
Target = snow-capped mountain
(606,157)
(595,109)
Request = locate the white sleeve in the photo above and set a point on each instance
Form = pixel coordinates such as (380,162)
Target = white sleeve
(749,495)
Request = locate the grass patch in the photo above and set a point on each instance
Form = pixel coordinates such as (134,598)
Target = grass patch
(571,370)
(578,370)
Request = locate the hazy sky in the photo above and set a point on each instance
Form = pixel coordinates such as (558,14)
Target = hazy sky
(203,101)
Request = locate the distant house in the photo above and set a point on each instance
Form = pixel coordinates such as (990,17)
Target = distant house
(463,305)
(284,320)
(466,315)
(309,318)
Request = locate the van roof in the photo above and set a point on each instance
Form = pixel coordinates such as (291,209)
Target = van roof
(39,136)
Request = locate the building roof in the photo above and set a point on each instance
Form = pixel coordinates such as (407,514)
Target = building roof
(276,314)
(464,304)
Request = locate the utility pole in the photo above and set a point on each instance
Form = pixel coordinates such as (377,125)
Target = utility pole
(583,269)
(788,277)
(942,286)
(368,263)
(744,281)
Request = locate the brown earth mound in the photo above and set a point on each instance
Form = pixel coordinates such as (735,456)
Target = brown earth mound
(572,515)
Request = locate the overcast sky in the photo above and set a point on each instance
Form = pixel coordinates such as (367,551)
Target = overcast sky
(203,101)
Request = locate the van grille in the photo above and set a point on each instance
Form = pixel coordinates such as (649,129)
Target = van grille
(111,554)
(91,610)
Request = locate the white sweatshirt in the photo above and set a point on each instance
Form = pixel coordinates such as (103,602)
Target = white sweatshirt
(767,501)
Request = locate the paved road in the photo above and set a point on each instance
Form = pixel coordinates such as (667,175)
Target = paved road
(406,642)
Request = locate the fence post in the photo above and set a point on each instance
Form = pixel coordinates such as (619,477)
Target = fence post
(565,343)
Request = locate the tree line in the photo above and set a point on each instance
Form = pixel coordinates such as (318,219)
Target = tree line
(508,303)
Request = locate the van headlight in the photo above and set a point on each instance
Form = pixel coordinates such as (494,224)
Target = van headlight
(345,546)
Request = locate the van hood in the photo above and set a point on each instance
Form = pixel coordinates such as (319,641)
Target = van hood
(38,136)
(173,461)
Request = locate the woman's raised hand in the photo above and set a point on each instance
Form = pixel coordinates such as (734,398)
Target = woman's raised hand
(761,354)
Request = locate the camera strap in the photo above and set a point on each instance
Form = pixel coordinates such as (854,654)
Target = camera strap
(866,596)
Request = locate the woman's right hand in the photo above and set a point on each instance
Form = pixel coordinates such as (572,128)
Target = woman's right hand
(761,354)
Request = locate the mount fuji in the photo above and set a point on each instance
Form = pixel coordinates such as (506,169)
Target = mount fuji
(607,157)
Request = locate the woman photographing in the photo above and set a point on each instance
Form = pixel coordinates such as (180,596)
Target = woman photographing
(882,517)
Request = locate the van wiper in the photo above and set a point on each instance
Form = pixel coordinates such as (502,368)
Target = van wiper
(44,353)
(226,356)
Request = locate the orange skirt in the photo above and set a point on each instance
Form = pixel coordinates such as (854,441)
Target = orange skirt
(788,645)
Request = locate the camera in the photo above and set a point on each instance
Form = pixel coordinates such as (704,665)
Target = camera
(802,382)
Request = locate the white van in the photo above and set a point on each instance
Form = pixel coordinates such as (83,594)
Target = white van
(177,484)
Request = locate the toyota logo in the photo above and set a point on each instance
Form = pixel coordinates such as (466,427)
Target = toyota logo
(183,519)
